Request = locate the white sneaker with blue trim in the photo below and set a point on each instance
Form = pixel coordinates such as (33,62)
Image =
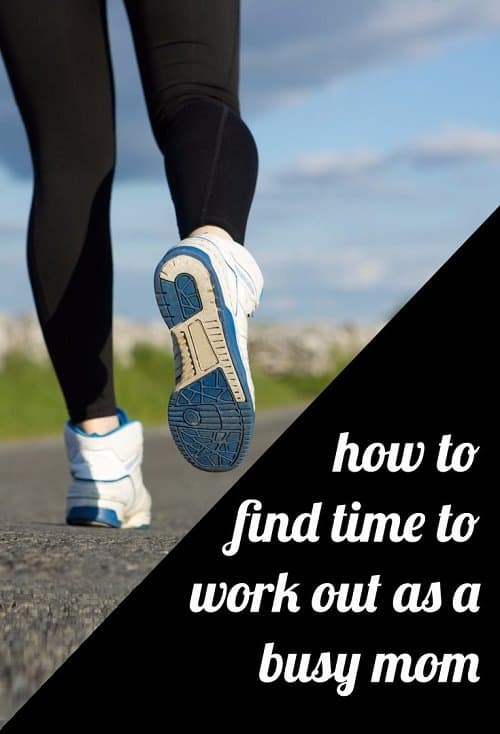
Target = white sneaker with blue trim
(107,488)
(206,287)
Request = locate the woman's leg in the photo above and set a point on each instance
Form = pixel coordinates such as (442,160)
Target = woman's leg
(188,54)
(207,285)
(58,61)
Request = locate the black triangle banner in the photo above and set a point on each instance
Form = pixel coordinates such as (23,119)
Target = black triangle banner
(347,575)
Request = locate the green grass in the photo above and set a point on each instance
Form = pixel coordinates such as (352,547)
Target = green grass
(31,402)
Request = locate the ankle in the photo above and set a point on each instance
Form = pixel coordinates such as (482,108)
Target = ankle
(99,425)
(211,229)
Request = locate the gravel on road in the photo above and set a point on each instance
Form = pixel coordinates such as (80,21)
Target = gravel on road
(57,583)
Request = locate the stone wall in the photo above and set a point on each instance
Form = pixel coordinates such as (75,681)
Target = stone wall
(275,348)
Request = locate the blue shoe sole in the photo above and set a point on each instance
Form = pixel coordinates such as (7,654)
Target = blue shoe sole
(96,516)
(211,428)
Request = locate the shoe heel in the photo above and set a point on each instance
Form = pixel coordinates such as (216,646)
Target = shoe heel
(104,517)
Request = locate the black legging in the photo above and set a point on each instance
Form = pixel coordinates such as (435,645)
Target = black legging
(57,57)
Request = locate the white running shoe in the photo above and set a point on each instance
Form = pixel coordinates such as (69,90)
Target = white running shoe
(206,287)
(107,488)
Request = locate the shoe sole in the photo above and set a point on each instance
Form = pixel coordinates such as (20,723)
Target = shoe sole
(210,413)
(99,517)
(108,517)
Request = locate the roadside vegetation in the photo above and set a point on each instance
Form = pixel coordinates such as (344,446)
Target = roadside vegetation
(31,403)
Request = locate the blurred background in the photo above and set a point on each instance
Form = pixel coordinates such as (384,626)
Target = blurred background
(377,126)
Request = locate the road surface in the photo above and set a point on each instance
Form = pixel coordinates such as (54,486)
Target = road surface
(58,583)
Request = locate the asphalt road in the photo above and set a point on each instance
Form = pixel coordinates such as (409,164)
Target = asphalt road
(58,583)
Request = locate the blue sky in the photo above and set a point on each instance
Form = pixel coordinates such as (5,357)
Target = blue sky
(377,123)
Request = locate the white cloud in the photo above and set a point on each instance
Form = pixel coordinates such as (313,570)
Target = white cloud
(394,18)
(452,147)
(358,271)
(289,48)
(347,268)
(295,46)
(338,163)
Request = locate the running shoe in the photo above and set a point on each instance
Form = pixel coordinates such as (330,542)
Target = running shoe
(107,488)
(206,287)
